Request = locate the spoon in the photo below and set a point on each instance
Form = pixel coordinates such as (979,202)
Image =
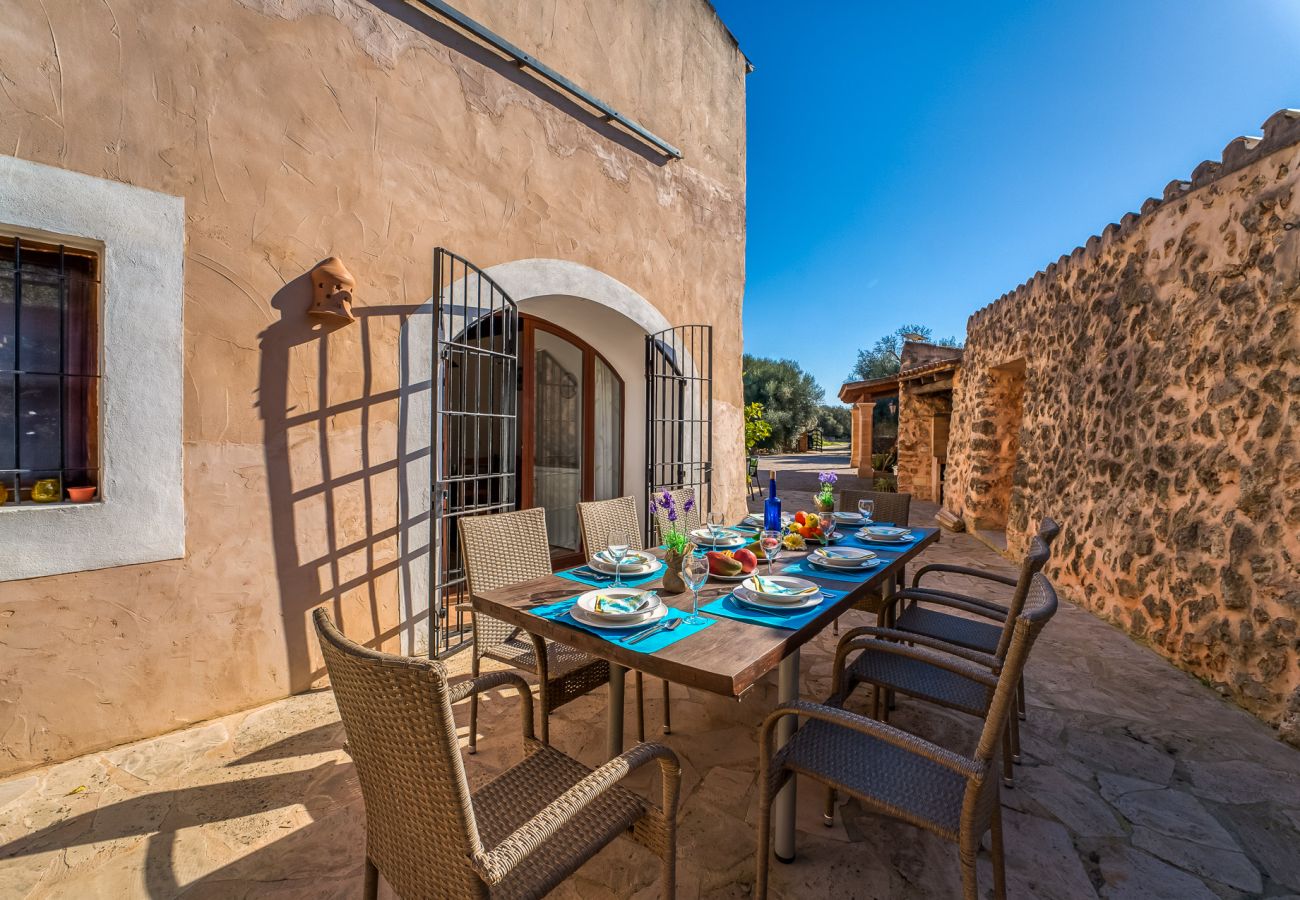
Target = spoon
(664,626)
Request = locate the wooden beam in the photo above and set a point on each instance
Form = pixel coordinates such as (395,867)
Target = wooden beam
(937,387)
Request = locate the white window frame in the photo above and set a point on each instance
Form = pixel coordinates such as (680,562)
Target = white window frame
(140,236)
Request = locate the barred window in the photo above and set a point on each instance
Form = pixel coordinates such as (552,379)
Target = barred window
(49,372)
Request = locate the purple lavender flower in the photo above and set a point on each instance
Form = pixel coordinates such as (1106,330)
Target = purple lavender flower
(690,504)
(827,478)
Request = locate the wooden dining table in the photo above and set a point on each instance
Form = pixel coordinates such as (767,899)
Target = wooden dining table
(727,658)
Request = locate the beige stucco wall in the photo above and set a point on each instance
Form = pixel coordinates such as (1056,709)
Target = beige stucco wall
(297,129)
(1158,422)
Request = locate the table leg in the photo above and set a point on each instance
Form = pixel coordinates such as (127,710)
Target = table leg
(787,691)
(891,585)
(614,728)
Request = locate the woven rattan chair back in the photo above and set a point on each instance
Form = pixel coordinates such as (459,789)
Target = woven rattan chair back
(598,517)
(501,550)
(687,521)
(1036,611)
(1048,529)
(396,711)
(890,507)
(1032,564)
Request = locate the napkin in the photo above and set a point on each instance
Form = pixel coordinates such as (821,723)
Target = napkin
(607,604)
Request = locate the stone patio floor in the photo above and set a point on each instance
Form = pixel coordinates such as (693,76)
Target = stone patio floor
(1137,782)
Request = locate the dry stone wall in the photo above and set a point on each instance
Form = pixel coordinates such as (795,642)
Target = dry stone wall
(916,413)
(1158,422)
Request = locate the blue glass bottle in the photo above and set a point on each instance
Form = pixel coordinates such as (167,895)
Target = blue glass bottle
(772,505)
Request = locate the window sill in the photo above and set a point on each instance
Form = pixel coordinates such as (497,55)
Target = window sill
(62,504)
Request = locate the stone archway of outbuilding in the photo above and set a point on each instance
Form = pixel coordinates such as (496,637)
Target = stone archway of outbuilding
(595,306)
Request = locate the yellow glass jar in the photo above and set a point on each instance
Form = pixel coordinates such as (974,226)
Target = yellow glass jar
(46,491)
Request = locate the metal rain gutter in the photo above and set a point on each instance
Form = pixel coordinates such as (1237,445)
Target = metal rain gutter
(525,61)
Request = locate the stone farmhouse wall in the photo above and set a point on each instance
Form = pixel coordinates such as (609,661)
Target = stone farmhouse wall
(1145,391)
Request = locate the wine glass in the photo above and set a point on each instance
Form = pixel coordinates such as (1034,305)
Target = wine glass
(829,526)
(865,509)
(695,571)
(619,543)
(716,520)
(771,544)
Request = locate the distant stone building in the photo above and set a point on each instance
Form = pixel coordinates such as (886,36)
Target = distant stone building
(924,385)
(1145,391)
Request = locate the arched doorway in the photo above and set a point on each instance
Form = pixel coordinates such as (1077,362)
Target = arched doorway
(596,339)
(571,429)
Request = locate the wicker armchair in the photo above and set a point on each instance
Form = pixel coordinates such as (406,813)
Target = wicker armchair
(900,775)
(519,835)
(1048,529)
(889,668)
(688,521)
(596,518)
(963,632)
(504,549)
(890,507)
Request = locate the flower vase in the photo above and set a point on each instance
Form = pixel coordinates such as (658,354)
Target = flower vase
(824,506)
(672,578)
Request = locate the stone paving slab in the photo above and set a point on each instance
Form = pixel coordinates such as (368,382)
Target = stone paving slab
(1137,782)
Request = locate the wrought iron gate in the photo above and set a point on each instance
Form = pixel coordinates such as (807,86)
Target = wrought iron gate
(679,413)
(473,466)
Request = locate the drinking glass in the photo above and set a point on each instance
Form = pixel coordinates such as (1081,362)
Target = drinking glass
(866,508)
(695,571)
(716,521)
(619,543)
(829,526)
(771,544)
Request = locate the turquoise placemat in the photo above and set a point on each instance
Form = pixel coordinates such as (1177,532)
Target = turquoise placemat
(559,612)
(727,606)
(808,570)
(897,546)
(588,576)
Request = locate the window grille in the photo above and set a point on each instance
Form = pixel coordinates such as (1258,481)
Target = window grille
(49,371)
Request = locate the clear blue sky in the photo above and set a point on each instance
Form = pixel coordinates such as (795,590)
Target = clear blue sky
(911,162)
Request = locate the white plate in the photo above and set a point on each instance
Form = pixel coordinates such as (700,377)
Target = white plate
(625,570)
(635,559)
(754,584)
(746,597)
(883,533)
(816,562)
(846,556)
(757,518)
(727,539)
(848,518)
(741,577)
(586,618)
(587,603)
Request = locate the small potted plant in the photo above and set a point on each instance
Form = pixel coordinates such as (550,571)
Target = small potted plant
(674,538)
(824,499)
